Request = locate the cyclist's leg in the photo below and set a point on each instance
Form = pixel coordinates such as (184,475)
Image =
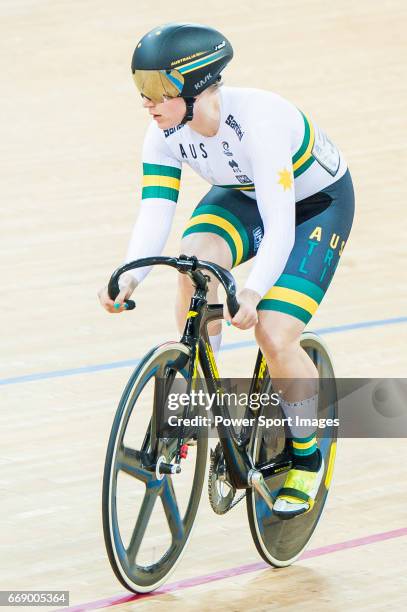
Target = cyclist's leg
(296,379)
(287,308)
(224,228)
(289,305)
(294,375)
(278,335)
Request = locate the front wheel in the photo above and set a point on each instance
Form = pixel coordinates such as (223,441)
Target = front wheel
(281,542)
(148,516)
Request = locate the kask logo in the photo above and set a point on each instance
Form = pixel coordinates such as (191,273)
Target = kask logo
(203,81)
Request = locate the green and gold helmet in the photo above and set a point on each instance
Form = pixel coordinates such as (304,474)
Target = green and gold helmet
(179,59)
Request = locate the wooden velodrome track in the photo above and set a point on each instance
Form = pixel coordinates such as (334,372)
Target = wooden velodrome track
(72,128)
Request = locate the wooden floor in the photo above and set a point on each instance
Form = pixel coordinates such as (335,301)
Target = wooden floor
(72,128)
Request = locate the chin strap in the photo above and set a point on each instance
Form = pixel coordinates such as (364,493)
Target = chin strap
(190,110)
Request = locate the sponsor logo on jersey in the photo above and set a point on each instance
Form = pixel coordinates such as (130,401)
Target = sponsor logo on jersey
(172,130)
(235,167)
(242,178)
(257,237)
(203,81)
(226,149)
(231,121)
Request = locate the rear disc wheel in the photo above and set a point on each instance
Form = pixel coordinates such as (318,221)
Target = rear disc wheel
(280,542)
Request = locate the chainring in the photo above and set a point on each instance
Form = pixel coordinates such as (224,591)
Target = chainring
(221,492)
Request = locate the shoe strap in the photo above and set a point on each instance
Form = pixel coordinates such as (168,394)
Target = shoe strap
(294,493)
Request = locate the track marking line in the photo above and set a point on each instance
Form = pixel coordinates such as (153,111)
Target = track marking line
(227,347)
(235,571)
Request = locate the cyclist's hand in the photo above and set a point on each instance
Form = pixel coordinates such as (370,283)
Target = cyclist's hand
(246,316)
(127,283)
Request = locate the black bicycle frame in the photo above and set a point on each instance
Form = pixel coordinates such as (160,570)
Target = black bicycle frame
(195,336)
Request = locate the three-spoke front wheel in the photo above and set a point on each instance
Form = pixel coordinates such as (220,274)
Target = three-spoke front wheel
(148,516)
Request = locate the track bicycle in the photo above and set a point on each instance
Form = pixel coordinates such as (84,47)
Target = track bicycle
(153,482)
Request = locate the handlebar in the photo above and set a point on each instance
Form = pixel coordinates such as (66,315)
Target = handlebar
(183,264)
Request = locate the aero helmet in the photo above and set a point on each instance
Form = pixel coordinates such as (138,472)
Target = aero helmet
(179,60)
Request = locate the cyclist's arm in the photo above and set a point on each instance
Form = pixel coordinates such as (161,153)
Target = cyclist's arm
(274,184)
(161,180)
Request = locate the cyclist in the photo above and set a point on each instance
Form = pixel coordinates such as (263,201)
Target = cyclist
(281,193)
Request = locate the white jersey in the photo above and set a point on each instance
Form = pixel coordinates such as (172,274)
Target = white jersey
(265,147)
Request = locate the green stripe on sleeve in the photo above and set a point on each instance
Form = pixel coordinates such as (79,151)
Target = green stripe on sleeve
(167,193)
(304,167)
(156,169)
(305,141)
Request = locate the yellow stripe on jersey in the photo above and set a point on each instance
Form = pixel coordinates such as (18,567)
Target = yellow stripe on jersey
(307,154)
(228,227)
(293,297)
(155,180)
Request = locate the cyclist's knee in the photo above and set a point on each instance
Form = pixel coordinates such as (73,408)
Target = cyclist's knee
(208,247)
(275,340)
(271,342)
